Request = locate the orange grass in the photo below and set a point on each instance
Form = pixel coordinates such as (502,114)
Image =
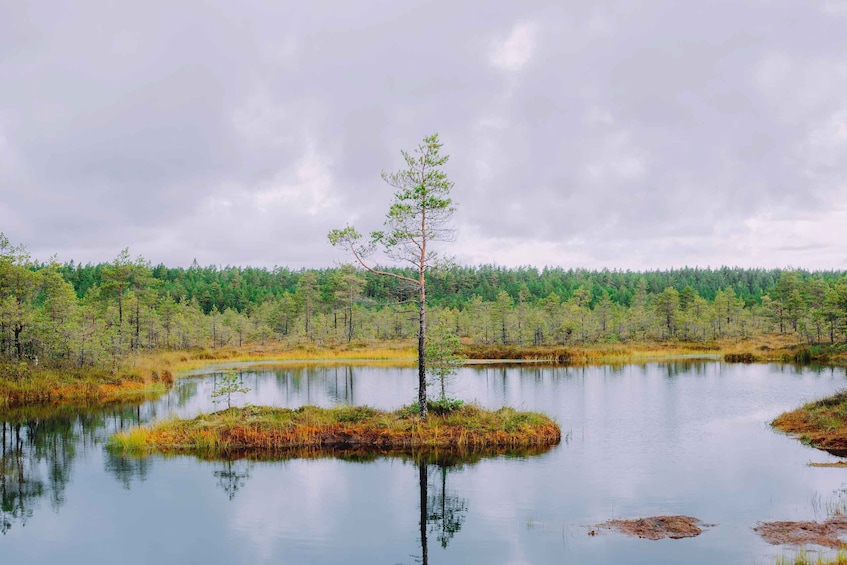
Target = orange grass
(276,351)
(822,424)
(763,348)
(267,429)
(54,386)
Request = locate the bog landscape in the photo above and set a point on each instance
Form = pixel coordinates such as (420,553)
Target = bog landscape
(416,283)
(469,372)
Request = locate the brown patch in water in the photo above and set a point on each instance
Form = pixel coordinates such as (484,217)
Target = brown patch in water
(657,527)
(826,533)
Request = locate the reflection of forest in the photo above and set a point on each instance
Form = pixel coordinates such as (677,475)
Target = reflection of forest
(35,462)
(38,446)
(307,384)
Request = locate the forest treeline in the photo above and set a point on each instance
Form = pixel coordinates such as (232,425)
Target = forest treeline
(96,315)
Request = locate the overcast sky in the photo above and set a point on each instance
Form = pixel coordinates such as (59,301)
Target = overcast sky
(634,135)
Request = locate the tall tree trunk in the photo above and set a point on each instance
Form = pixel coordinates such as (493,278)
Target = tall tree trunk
(421,355)
(18,347)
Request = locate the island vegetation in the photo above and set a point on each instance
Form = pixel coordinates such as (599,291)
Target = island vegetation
(822,423)
(266,430)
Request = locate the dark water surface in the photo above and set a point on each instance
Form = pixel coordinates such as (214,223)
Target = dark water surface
(663,438)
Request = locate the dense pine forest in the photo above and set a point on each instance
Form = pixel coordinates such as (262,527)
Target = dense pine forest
(96,315)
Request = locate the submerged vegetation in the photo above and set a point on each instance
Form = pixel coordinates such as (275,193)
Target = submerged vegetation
(268,430)
(822,423)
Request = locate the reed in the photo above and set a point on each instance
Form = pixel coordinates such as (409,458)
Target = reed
(804,557)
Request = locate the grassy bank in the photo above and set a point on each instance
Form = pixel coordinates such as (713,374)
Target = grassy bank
(822,423)
(276,430)
(772,348)
(23,383)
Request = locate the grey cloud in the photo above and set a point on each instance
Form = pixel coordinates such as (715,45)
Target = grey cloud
(622,123)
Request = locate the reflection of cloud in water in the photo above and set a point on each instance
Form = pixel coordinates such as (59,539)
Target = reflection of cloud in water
(262,509)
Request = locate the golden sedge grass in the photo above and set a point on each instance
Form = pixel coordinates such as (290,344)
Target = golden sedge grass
(259,428)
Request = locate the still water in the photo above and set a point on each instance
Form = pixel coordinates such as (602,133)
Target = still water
(638,440)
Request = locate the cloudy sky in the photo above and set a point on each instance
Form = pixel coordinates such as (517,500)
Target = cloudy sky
(582,134)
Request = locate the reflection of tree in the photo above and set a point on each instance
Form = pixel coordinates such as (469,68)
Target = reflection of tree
(445,511)
(680,368)
(340,389)
(18,487)
(316,384)
(232,476)
(440,511)
(125,469)
(184,392)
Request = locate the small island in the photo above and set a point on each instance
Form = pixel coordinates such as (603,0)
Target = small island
(262,430)
(821,424)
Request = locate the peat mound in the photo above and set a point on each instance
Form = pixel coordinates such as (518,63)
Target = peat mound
(657,527)
(828,533)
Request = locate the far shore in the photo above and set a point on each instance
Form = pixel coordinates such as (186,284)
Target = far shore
(153,372)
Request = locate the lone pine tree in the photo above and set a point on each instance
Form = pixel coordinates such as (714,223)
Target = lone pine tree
(419,215)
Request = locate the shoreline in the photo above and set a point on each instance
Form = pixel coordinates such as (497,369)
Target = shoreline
(153,373)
